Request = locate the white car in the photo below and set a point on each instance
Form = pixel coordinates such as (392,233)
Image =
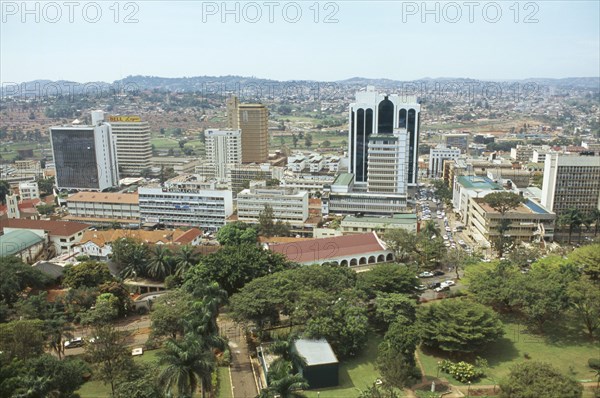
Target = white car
(461,242)
(448,282)
(426,274)
(75,342)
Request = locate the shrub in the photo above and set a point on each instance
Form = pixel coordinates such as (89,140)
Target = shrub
(594,363)
(461,371)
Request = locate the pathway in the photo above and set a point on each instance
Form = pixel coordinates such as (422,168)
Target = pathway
(242,374)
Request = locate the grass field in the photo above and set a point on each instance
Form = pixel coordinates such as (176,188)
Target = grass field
(563,345)
(224,383)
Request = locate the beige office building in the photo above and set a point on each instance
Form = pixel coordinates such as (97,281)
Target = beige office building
(133,143)
(252,120)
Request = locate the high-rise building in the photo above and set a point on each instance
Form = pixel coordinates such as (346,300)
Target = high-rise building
(232,113)
(571,181)
(375,114)
(437,156)
(85,156)
(223,148)
(387,157)
(132,137)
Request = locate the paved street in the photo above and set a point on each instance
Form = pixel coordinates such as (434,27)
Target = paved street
(242,375)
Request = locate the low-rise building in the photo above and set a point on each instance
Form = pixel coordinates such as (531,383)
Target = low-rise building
(29,190)
(467,187)
(288,205)
(104,208)
(61,236)
(23,244)
(346,251)
(530,222)
(358,225)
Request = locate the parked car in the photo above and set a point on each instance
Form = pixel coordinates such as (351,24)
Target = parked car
(434,285)
(448,282)
(441,288)
(437,272)
(75,342)
(426,274)
(421,288)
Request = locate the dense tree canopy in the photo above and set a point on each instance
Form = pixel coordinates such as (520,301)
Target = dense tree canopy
(237,233)
(15,276)
(458,326)
(234,266)
(539,380)
(388,278)
(87,274)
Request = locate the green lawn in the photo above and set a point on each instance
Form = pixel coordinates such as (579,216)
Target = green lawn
(164,143)
(224,383)
(564,346)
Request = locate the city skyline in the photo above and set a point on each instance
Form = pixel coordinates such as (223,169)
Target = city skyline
(529,40)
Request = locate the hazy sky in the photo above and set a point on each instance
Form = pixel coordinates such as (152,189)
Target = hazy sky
(378,39)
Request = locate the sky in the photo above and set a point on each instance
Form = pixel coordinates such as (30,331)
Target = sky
(285,40)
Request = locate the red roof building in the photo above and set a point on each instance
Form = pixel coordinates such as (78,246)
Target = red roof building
(348,250)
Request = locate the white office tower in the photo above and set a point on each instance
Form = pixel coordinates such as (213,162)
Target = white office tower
(85,156)
(223,148)
(134,149)
(387,157)
(376,115)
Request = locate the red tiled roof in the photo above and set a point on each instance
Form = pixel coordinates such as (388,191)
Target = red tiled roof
(188,236)
(59,228)
(328,248)
(29,204)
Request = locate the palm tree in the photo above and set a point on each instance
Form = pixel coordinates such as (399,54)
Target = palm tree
(572,219)
(431,229)
(184,260)
(160,265)
(595,217)
(288,386)
(135,262)
(188,363)
(58,330)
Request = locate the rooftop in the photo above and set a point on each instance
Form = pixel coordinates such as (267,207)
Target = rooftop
(476,182)
(105,197)
(16,241)
(323,249)
(316,352)
(396,219)
(60,228)
(176,236)
(344,179)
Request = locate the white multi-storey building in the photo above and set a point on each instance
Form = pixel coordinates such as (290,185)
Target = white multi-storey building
(85,157)
(29,190)
(376,114)
(288,206)
(438,155)
(104,208)
(571,181)
(223,148)
(132,136)
(181,207)
(388,158)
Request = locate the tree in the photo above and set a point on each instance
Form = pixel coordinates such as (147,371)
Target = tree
(572,219)
(587,259)
(131,257)
(394,307)
(185,259)
(4,190)
(22,338)
(396,355)
(442,191)
(285,350)
(160,263)
(266,222)
(234,266)
(431,229)
(502,202)
(595,217)
(109,355)
(387,278)
(16,276)
(187,364)
(308,140)
(378,391)
(118,290)
(287,386)
(58,331)
(326,144)
(294,140)
(46,185)
(141,382)
(169,312)
(584,298)
(539,380)
(236,233)
(344,324)
(104,312)
(87,274)
(494,284)
(458,326)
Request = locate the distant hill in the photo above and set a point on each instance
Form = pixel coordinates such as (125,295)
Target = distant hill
(225,84)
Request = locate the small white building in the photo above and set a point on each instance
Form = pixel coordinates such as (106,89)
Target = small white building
(29,190)
(288,205)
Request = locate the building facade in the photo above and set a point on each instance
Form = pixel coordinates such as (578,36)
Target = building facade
(374,114)
(436,159)
(388,158)
(85,157)
(134,150)
(457,140)
(358,225)
(252,120)
(29,190)
(223,148)
(571,181)
(288,206)
(104,208)
(185,207)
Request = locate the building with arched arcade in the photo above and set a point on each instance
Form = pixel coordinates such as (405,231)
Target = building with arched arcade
(349,250)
